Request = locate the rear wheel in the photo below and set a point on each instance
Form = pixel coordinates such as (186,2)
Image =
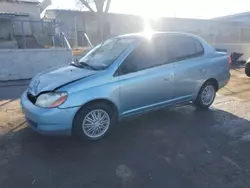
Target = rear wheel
(206,95)
(94,121)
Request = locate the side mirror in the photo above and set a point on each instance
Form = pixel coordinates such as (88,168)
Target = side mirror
(75,61)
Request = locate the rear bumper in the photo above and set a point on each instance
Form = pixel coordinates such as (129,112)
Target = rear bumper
(224,80)
(53,121)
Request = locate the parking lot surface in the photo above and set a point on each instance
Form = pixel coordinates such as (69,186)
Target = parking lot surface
(181,147)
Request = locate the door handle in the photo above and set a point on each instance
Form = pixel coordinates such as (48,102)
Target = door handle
(203,70)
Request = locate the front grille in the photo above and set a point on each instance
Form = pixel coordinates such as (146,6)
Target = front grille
(31,98)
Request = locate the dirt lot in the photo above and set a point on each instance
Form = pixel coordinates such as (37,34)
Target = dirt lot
(181,147)
(238,86)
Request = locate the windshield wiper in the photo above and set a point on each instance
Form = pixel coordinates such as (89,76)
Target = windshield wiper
(83,64)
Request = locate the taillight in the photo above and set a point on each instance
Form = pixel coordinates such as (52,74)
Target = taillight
(229,60)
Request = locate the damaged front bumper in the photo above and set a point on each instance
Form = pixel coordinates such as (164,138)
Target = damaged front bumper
(48,121)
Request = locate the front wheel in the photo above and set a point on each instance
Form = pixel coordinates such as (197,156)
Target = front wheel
(206,96)
(93,121)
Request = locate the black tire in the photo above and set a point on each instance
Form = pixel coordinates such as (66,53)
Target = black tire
(81,114)
(199,102)
(247,69)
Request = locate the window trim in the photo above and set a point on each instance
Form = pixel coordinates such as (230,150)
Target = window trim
(186,57)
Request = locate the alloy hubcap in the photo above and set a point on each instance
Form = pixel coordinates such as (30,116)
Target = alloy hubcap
(96,123)
(207,95)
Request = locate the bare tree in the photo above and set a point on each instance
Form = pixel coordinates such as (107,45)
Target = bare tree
(100,7)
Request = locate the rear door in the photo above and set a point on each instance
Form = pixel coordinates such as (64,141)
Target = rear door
(189,66)
(146,78)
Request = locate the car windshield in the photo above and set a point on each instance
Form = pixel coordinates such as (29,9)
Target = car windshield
(103,55)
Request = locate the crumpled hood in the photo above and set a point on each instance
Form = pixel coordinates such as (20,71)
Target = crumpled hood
(52,79)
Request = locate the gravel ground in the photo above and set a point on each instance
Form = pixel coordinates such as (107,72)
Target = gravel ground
(182,147)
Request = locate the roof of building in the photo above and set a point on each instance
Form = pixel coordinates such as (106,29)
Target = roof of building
(233,16)
(25,1)
(12,14)
(30,1)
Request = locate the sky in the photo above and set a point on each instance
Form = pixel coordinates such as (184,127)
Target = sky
(201,9)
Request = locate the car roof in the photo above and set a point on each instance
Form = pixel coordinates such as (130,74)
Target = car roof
(208,48)
(143,35)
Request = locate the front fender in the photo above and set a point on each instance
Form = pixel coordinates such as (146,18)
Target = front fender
(108,92)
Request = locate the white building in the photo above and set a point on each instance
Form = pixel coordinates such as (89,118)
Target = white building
(20,18)
(30,7)
(240,17)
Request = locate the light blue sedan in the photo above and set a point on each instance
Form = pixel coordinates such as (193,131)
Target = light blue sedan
(124,76)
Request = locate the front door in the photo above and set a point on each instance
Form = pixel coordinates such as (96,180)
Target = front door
(146,80)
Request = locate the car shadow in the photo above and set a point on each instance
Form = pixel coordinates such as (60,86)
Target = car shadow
(137,146)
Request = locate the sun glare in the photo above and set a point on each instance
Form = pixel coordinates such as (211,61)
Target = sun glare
(147,31)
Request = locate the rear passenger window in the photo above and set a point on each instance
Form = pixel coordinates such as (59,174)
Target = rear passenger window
(182,47)
(198,47)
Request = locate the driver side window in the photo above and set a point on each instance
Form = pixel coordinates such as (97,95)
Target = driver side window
(136,60)
(148,54)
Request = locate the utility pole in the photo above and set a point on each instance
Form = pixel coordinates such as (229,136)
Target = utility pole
(76,33)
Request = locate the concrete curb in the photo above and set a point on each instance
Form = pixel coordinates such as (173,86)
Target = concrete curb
(24,82)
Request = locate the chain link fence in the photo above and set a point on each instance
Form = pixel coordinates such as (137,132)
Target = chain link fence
(69,31)
(23,34)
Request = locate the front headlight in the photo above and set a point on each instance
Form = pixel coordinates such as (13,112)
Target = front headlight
(51,100)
